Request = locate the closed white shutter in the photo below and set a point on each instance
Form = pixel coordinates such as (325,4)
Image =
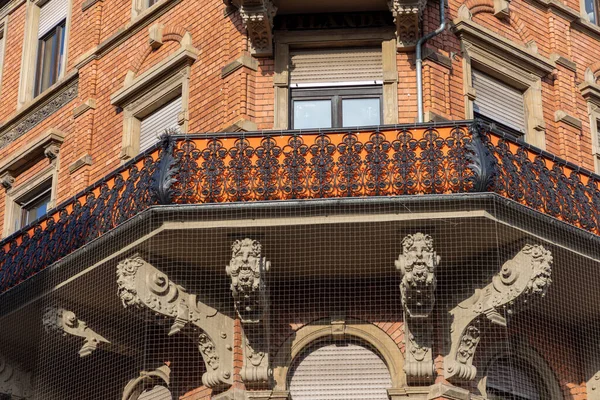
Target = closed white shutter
(336,65)
(498,101)
(340,372)
(51,14)
(155,124)
(157,393)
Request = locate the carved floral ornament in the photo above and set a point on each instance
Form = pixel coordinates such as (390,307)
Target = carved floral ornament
(257,16)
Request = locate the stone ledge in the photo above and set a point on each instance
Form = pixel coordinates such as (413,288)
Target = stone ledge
(590,92)
(563,61)
(442,391)
(245,60)
(563,116)
(89,104)
(436,57)
(241,125)
(89,3)
(80,163)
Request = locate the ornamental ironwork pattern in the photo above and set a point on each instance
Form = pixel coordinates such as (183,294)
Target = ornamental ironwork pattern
(192,169)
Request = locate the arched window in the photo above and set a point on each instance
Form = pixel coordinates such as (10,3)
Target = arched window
(339,371)
(514,379)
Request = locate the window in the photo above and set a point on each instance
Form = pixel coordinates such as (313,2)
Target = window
(50,58)
(591,10)
(354,371)
(33,205)
(332,88)
(498,102)
(511,379)
(155,123)
(334,107)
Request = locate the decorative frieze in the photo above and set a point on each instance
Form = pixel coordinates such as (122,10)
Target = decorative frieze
(65,322)
(417,264)
(257,16)
(14,380)
(522,278)
(141,286)
(31,119)
(407,16)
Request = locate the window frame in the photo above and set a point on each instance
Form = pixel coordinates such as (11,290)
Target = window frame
(29,59)
(30,200)
(337,94)
(584,14)
(57,33)
(284,41)
(3,36)
(594,113)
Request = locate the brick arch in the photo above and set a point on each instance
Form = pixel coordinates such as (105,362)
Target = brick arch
(487,6)
(595,68)
(171,33)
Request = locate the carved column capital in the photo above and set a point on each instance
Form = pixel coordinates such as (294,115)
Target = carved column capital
(407,16)
(257,16)
(522,278)
(65,322)
(141,285)
(7,180)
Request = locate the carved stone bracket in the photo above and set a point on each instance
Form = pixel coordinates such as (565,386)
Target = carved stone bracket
(247,270)
(15,381)
(147,380)
(407,17)
(141,285)
(51,152)
(417,264)
(7,180)
(66,323)
(525,276)
(257,16)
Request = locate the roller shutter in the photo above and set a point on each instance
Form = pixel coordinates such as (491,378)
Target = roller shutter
(155,124)
(157,393)
(498,101)
(51,14)
(336,65)
(340,372)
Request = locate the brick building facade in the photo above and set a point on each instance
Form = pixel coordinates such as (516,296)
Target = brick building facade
(450,259)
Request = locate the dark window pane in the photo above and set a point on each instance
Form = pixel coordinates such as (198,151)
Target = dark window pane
(50,58)
(358,112)
(590,10)
(312,114)
(34,206)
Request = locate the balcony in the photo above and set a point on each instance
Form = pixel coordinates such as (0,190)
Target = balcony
(458,158)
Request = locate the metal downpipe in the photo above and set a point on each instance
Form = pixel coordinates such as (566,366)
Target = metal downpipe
(419,62)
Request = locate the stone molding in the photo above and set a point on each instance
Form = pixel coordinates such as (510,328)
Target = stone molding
(142,286)
(65,322)
(147,380)
(39,109)
(46,144)
(247,270)
(15,381)
(522,278)
(417,264)
(80,163)
(257,17)
(89,104)
(566,118)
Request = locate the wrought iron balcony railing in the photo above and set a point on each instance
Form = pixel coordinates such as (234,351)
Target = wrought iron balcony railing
(411,160)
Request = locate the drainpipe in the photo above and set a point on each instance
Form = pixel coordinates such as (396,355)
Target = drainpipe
(419,63)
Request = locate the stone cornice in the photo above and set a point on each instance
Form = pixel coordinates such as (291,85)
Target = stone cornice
(502,47)
(10,7)
(590,92)
(40,108)
(33,151)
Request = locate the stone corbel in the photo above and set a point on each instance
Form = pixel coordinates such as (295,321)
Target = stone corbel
(15,381)
(247,270)
(522,278)
(66,323)
(257,16)
(141,286)
(51,152)
(417,264)
(407,17)
(147,380)
(7,180)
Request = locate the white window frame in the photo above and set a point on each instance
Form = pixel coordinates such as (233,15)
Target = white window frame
(30,51)
(3,36)
(144,94)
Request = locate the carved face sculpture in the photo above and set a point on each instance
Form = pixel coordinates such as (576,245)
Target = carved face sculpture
(245,265)
(542,269)
(419,259)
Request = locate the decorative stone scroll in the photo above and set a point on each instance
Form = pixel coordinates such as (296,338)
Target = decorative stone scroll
(15,381)
(257,16)
(141,286)
(407,15)
(417,264)
(66,323)
(247,270)
(147,380)
(522,278)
